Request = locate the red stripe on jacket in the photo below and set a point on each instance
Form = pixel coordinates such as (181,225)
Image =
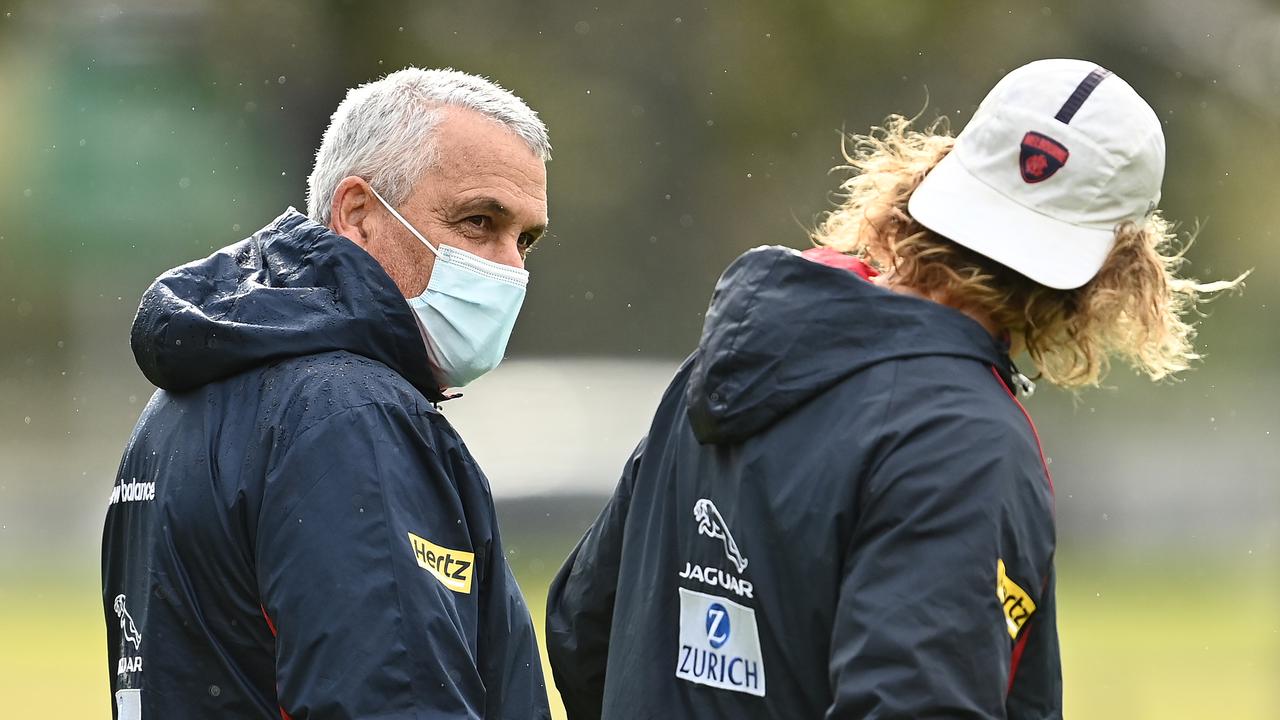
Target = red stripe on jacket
(1016,658)
(272,627)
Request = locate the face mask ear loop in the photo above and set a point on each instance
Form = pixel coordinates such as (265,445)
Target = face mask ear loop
(404,222)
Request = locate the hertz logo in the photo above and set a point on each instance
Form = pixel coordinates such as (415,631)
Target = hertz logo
(451,567)
(1015,601)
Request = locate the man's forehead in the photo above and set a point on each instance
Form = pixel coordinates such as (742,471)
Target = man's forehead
(479,158)
(466,136)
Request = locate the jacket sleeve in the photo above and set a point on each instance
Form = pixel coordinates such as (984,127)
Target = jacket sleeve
(919,630)
(1035,685)
(363,628)
(580,605)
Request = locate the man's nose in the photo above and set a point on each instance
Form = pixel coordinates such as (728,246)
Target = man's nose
(508,252)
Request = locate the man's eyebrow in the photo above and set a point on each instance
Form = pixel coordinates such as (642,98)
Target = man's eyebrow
(486,203)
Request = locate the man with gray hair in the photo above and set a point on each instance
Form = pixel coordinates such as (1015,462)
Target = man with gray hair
(295,530)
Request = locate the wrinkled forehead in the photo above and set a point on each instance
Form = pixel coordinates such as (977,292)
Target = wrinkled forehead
(474,153)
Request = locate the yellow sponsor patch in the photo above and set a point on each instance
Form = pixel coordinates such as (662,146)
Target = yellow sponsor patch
(451,567)
(1015,601)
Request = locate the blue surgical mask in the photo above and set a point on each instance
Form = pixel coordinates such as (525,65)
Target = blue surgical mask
(467,311)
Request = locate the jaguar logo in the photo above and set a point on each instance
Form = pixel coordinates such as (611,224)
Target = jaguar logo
(128,630)
(711,524)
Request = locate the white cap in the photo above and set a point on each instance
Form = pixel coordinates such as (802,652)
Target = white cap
(1059,153)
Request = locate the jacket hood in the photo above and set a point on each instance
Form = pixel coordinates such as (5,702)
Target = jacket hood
(294,288)
(782,328)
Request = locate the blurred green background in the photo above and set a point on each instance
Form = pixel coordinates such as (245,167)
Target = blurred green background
(136,135)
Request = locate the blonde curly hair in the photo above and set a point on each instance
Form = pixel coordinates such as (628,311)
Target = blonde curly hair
(1135,308)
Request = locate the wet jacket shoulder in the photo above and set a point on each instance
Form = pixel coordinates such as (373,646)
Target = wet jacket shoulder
(315,539)
(840,511)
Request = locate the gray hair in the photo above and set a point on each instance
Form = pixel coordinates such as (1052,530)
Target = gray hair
(383,131)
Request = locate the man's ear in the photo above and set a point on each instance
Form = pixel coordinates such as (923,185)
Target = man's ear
(353,205)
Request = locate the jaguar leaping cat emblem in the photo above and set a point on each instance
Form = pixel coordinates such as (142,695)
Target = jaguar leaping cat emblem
(711,524)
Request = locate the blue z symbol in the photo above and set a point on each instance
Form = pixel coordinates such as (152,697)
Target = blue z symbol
(717,625)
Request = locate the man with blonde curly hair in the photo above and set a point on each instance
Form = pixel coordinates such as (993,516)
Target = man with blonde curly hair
(841,510)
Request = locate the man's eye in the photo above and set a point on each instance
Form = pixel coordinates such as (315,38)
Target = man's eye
(526,241)
(479,222)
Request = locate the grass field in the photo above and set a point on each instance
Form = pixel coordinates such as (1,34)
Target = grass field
(1194,640)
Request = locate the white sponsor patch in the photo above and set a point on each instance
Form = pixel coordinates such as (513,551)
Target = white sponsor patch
(129,704)
(719,644)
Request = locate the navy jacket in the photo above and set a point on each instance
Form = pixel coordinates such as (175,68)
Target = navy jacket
(295,530)
(840,511)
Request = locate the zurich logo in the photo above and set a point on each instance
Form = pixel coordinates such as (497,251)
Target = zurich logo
(717,625)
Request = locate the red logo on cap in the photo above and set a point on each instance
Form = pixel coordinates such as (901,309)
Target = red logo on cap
(1041,157)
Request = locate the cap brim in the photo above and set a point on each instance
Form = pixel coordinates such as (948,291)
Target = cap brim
(955,204)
